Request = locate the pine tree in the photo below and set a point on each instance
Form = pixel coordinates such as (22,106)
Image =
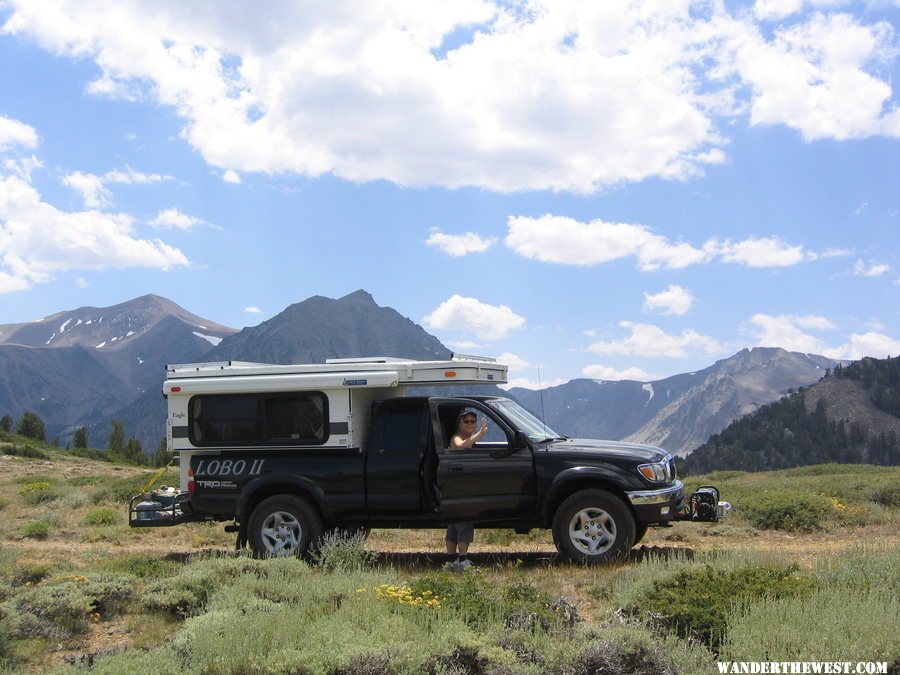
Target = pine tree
(134,451)
(162,456)
(116,444)
(6,423)
(32,426)
(80,439)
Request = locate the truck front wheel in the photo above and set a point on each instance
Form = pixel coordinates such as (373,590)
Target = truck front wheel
(283,525)
(593,526)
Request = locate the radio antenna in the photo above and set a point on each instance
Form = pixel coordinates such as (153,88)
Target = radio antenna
(541,392)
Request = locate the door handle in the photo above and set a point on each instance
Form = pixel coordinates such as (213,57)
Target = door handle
(455,467)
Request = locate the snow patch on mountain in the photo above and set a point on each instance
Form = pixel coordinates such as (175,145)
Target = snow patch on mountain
(211,339)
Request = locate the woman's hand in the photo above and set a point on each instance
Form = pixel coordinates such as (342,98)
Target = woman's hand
(483,429)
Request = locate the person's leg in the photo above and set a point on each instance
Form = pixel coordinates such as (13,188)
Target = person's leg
(465,536)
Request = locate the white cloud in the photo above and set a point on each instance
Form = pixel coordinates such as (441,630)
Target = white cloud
(38,240)
(564,240)
(253,310)
(558,95)
(15,133)
(465,344)
(552,94)
(650,340)
(487,322)
(458,245)
(872,269)
(598,371)
(93,188)
(232,177)
(675,300)
(764,252)
(780,9)
(81,282)
(785,331)
(591,332)
(819,77)
(175,218)
(534,385)
(872,344)
(514,361)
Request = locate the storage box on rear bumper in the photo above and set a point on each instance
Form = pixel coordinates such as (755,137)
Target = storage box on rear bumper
(162,507)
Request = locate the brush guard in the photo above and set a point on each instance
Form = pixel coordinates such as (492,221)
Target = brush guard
(704,506)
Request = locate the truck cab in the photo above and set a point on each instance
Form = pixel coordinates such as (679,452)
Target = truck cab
(288,452)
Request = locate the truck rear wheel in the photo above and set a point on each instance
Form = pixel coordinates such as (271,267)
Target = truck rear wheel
(593,526)
(283,525)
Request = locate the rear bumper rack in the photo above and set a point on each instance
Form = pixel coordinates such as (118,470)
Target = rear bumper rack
(160,510)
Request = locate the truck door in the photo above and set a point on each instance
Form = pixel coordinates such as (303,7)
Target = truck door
(394,459)
(494,481)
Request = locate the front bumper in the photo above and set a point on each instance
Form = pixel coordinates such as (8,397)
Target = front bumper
(658,506)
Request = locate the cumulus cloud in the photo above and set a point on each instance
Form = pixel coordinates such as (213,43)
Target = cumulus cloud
(487,322)
(649,340)
(514,361)
(93,188)
(175,218)
(870,269)
(872,344)
(764,252)
(598,371)
(38,240)
(14,133)
(564,240)
(253,310)
(534,385)
(788,332)
(458,245)
(819,76)
(232,177)
(675,300)
(552,95)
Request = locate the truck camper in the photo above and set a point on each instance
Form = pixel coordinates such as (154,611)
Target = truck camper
(285,453)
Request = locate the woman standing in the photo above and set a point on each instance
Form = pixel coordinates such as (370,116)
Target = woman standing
(460,535)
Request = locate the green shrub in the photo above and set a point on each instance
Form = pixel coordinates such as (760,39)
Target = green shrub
(65,607)
(787,510)
(36,529)
(188,592)
(40,492)
(341,551)
(889,495)
(102,515)
(695,603)
(142,565)
(32,574)
(3,503)
(830,624)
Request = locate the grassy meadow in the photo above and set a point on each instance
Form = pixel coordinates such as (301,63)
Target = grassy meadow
(807,568)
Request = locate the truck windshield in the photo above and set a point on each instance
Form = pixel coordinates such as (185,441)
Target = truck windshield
(532,427)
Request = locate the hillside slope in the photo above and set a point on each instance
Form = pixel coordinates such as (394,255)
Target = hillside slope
(834,420)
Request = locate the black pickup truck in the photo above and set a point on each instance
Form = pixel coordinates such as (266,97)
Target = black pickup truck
(598,497)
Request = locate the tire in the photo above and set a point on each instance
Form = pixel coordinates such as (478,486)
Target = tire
(593,526)
(639,531)
(283,525)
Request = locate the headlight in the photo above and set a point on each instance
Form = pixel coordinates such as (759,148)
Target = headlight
(655,472)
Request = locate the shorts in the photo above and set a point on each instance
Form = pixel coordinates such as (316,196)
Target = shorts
(460,533)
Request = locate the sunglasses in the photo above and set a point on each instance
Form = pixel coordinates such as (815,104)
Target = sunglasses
(468,421)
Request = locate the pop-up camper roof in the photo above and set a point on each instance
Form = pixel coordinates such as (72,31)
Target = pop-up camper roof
(381,371)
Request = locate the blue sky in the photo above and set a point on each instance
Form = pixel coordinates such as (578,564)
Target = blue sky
(609,190)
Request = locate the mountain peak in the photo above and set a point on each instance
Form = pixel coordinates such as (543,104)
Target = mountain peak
(359,296)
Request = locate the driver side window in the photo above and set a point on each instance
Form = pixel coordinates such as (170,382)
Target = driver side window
(495,438)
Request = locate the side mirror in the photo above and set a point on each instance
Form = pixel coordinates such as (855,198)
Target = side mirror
(521,440)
